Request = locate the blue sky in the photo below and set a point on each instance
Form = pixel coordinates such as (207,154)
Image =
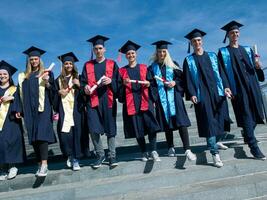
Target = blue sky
(61,26)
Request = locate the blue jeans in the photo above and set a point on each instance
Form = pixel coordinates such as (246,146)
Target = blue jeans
(212,146)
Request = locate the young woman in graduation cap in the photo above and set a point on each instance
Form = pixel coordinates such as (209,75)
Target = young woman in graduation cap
(207,88)
(36,92)
(12,149)
(138,110)
(168,95)
(68,103)
(243,72)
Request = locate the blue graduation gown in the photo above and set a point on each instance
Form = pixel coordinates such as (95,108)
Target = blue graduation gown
(39,125)
(212,111)
(72,139)
(12,148)
(102,119)
(181,118)
(247,103)
(143,122)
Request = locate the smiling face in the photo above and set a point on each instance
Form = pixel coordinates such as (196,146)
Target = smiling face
(197,43)
(99,51)
(131,56)
(161,54)
(233,35)
(68,66)
(4,76)
(35,62)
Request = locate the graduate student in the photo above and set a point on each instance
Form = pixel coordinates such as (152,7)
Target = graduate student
(11,137)
(99,81)
(36,87)
(138,110)
(68,103)
(243,72)
(206,87)
(170,109)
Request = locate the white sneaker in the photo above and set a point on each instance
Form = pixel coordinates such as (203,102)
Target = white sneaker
(190,155)
(13,171)
(221,146)
(43,171)
(144,157)
(155,156)
(217,160)
(171,152)
(75,165)
(38,170)
(68,162)
(3,176)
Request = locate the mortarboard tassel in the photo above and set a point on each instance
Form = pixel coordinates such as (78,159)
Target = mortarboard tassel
(92,55)
(224,40)
(188,50)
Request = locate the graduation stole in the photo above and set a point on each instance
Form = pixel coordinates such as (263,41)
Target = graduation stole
(92,81)
(21,78)
(166,100)
(195,77)
(5,105)
(68,106)
(128,90)
(228,65)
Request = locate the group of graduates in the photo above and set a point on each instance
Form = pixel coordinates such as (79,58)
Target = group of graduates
(152,99)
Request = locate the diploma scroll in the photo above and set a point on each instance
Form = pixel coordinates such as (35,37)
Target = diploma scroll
(161,79)
(137,81)
(47,70)
(93,88)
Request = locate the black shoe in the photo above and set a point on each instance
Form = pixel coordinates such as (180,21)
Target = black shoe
(99,162)
(257,154)
(113,162)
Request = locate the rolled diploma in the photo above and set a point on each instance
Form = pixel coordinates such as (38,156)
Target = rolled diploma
(161,79)
(96,85)
(137,81)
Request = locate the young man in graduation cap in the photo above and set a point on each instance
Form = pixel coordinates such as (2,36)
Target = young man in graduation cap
(243,73)
(36,87)
(99,81)
(12,149)
(138,110)
(207,88)
(168,95)
(68,103)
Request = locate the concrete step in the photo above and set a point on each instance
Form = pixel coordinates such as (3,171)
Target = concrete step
(130,164)
(238,179)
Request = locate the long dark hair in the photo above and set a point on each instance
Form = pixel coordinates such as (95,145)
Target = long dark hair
(63,77)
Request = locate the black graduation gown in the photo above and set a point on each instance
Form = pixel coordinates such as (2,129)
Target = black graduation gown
(247,103)
(143,122)
(181,119)
(39,125)
(73,138)
(212,110)
(102,119)
(12,148)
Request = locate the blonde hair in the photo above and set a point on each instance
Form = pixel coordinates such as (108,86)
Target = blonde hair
(167,60)
(28,70)
(63,78)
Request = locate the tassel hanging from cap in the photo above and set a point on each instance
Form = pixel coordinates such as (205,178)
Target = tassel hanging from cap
(188,50)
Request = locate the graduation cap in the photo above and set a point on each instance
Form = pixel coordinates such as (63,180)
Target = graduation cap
(98,39)
(129,45)
(229,27)
(161,44)
(4,65)
(34,51)
(68,57)
(194,34)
